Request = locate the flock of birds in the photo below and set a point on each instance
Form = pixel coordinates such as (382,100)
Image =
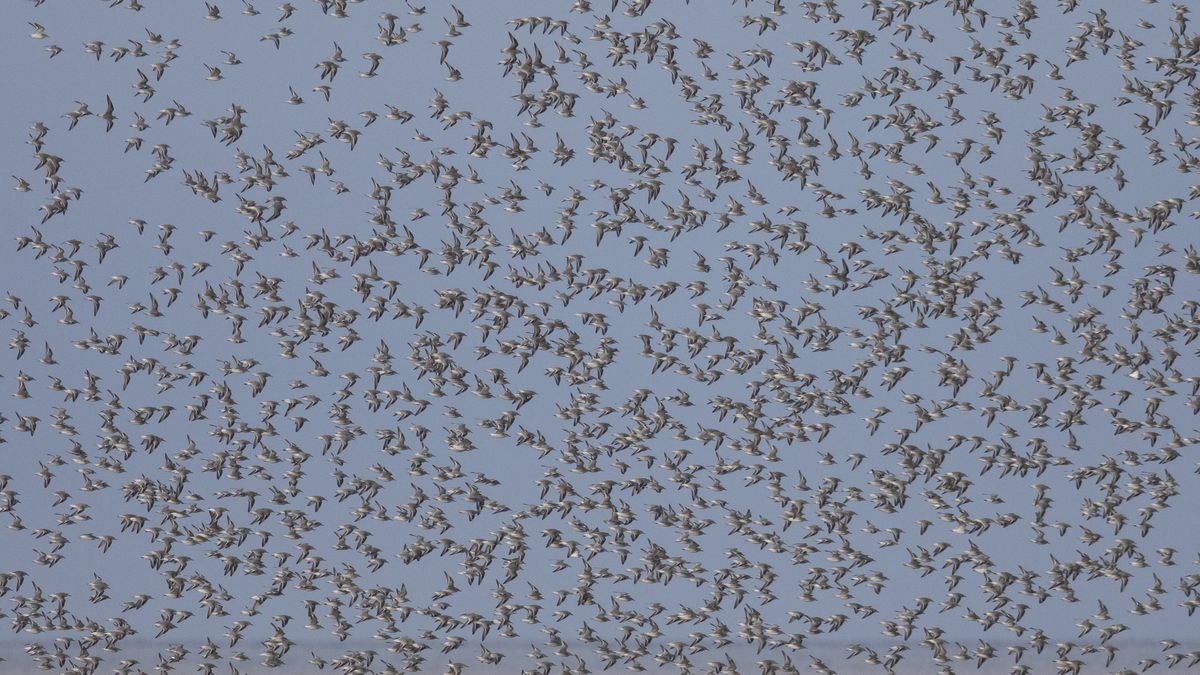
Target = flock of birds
(566,336)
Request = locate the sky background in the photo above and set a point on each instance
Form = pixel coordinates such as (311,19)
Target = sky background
(114,190)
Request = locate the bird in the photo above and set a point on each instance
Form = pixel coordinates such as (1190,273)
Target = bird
(880,335)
